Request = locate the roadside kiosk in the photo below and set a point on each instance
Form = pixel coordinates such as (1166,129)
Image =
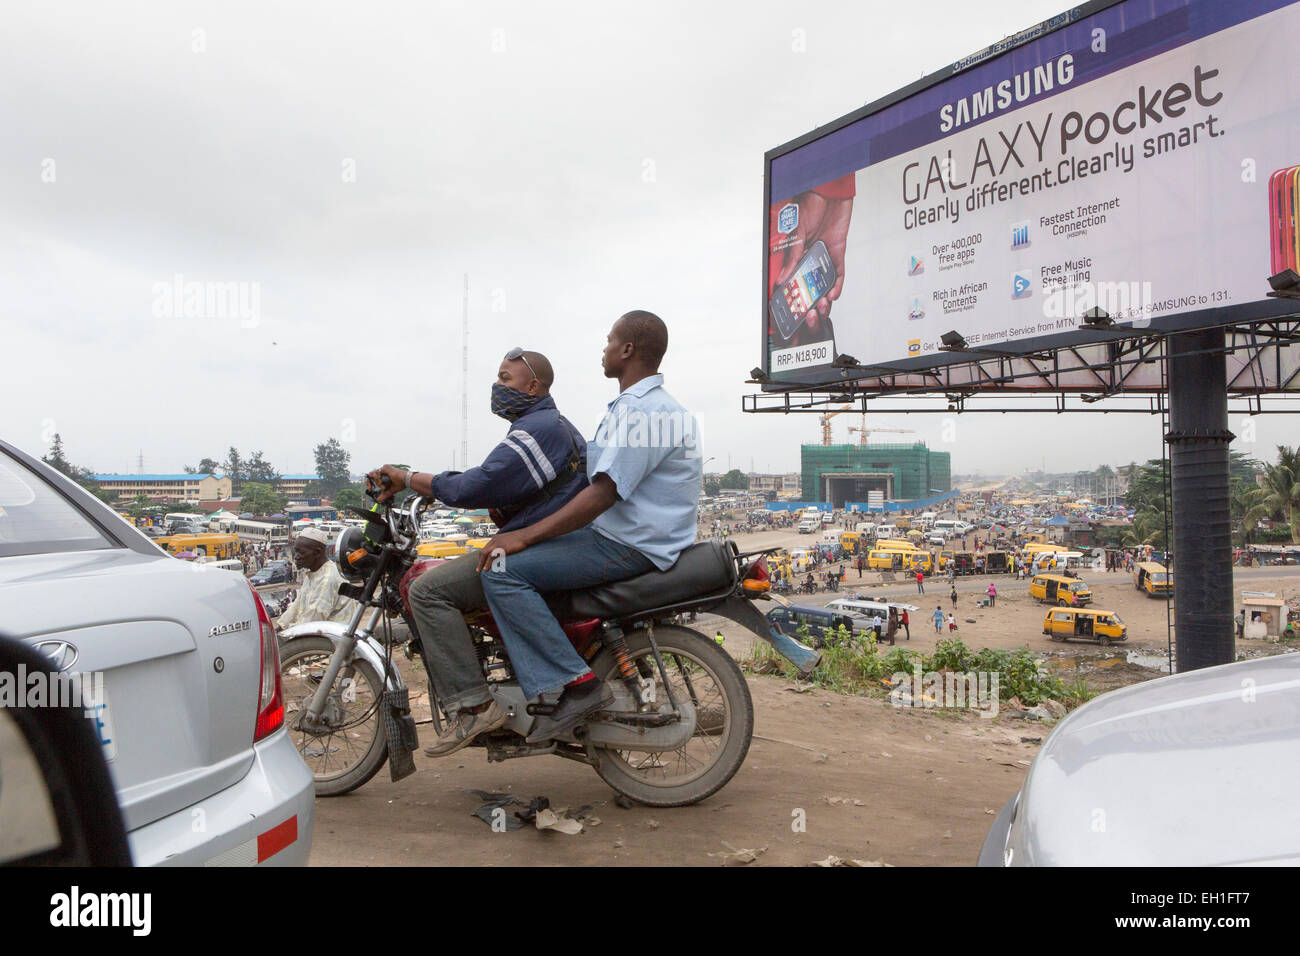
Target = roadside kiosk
(1265,615)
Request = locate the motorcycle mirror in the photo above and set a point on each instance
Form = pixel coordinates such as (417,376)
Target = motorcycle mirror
(57,806)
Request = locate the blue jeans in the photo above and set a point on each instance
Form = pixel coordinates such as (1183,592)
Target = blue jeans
(543,659)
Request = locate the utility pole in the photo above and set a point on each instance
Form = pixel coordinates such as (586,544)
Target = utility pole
(464,375)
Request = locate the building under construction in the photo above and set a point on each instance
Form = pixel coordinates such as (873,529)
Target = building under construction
(847,473)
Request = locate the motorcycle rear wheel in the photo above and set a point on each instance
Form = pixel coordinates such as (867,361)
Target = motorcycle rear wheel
(344,758)
(703,673)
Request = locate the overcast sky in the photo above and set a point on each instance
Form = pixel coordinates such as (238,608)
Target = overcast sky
(349,163)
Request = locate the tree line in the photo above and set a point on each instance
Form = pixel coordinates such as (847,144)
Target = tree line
(1258,491)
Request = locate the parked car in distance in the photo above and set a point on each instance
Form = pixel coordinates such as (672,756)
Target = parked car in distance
(273,572)
(1196,769)
(183,669)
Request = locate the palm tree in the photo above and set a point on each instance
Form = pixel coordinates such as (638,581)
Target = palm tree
(1279,494)
(1148,528)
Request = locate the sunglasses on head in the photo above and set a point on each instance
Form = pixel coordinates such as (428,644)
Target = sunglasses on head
(519,354)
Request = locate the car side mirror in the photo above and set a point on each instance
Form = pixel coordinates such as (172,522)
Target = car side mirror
(57,802)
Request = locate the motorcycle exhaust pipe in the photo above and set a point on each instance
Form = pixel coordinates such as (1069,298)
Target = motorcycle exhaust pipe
(746,615)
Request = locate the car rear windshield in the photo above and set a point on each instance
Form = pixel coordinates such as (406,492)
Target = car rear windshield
(36,519)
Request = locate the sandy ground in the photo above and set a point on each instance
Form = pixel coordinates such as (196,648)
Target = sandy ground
(865,779)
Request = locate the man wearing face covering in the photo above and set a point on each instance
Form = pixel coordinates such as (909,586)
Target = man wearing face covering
(535,470)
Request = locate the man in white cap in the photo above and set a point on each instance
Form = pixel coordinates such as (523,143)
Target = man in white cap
(318,598)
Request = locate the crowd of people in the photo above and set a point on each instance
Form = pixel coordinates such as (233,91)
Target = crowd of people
(255,555)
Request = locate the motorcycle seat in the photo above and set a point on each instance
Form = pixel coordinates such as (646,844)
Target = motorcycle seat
(704,572)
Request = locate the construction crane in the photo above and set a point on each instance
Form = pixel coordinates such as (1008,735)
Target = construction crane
(826,422)
(864,431)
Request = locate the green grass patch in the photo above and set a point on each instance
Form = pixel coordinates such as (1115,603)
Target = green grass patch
(854,663)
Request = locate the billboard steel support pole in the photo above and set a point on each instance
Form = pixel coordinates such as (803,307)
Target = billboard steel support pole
(1202,526)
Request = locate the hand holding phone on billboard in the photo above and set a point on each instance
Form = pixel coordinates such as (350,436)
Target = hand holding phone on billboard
(793,300)
(823,221)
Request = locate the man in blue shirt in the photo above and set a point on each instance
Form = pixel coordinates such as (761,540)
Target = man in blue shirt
(535,470)
(638,513)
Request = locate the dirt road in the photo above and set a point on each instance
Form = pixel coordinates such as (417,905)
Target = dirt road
(862,779)
(826,775)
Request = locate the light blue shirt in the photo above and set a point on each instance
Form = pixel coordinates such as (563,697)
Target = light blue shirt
(648,445)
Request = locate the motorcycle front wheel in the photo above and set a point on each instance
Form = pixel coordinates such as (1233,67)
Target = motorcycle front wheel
(351,746)
(703,673)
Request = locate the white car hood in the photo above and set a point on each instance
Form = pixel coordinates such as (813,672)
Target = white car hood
(1195,769)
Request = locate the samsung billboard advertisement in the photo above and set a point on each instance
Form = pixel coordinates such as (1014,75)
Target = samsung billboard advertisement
(1141,157)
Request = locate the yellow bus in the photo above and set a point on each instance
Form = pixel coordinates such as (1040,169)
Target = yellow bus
(1153,580)
(890,559)
(1058,589)
(220,547)
(442,549)
(1067,623)
(895,544)
(1035,546)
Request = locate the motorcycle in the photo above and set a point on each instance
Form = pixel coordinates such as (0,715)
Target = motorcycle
(682,718)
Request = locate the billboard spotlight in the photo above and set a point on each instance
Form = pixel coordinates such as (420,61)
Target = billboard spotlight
(952,342)
(1286,284)
(1098,318)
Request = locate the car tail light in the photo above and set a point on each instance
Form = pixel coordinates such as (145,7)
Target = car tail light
(270,696)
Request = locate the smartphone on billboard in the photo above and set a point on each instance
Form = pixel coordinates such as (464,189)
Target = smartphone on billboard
(811,280)
(1293,219)
(1284,238)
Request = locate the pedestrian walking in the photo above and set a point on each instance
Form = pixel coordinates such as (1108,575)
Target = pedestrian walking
(920,582)
(938,619)
(993,594)
(952,623)
(906,629)
(954,596)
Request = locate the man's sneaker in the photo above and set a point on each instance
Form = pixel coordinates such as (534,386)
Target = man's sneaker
(575,704)
(465,727)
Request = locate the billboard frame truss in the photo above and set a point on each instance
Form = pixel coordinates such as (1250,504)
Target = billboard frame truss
(997,373)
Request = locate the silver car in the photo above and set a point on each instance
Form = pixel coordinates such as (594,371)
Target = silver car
(189,706)
(1197,769)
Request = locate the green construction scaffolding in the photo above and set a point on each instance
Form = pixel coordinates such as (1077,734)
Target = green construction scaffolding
(900,471)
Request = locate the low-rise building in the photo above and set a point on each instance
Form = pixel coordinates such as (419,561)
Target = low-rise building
(780,485)
(184,487)
(293,485)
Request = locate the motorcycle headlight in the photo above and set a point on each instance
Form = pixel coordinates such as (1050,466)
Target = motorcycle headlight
(356,556)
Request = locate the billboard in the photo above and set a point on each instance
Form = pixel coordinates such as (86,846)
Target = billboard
(1141,157)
